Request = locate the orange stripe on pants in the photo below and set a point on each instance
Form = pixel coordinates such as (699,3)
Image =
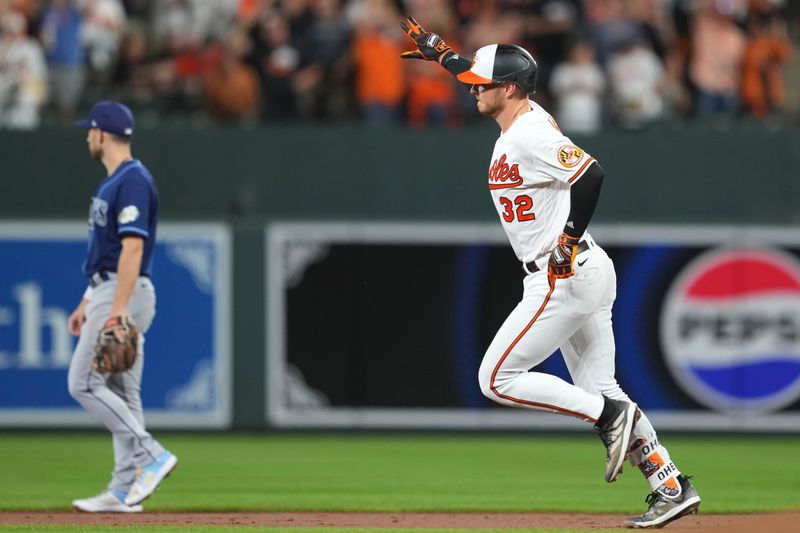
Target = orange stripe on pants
(508,351)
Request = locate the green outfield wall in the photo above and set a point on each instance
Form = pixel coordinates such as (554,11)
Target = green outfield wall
(748,175)
(250,177)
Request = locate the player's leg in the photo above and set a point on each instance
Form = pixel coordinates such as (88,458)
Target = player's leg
(589,355)
(90,388)
(142,309)
(127,385)
(530,334)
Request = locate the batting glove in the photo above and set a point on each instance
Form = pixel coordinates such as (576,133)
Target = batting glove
(430,46)
(563,256)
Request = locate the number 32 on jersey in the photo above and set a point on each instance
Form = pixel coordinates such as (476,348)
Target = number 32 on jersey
(519,208)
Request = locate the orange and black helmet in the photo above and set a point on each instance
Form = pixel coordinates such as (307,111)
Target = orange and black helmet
(502,63)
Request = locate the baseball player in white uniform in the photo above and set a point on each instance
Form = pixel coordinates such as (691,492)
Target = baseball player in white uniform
(545,190)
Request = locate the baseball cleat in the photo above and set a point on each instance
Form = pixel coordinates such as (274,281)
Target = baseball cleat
(148,478)
(664,510)
(616,432)
(107,502)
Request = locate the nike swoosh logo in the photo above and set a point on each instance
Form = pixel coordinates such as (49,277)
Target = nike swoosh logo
(580,263)
(616,443)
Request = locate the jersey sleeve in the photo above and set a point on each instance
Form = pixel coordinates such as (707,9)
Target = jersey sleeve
(133,205)
(556,157)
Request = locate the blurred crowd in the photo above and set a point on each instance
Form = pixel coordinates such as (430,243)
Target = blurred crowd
(621,63)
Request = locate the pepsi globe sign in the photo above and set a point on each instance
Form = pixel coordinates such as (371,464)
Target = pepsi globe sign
(730,329)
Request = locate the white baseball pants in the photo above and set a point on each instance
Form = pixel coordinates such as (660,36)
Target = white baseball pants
(573,314)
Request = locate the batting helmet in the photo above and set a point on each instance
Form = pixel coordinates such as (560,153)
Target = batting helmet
(499,63)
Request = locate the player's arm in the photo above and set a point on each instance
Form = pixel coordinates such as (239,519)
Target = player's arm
(128,268)
(431,47)
(132,227)
(78,316)
(584,194)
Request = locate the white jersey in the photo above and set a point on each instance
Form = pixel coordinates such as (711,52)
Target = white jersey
(533,166)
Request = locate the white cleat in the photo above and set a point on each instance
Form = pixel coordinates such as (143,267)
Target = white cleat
(106,502)
(148,478)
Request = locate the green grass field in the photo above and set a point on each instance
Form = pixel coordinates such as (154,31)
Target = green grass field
(398,473)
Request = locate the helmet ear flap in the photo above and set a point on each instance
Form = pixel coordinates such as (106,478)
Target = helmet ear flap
(533,81)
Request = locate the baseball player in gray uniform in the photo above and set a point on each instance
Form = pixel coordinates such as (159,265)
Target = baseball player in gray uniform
(545,189)
(122,230)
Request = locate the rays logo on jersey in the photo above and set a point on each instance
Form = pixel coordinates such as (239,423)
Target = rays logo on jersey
(98,213)
(128,214)
(730,329)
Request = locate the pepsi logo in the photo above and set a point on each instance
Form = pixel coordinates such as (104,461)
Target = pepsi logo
(730,329)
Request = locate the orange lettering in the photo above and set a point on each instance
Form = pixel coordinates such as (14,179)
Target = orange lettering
(502,175)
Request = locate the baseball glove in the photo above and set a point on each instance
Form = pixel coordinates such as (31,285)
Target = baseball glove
(117,345)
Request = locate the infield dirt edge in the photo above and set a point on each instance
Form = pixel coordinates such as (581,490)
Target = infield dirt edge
(773,522)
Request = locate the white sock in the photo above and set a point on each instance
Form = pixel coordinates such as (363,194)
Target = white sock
(653,460)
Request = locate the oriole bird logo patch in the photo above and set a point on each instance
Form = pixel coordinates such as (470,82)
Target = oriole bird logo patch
(569,155)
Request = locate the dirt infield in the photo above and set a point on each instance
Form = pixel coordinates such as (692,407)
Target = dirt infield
(771,522)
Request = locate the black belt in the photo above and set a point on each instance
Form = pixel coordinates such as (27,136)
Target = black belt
(582,247)
(99,277)
(104,275)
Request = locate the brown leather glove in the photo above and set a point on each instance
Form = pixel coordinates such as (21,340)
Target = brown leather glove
(117,345)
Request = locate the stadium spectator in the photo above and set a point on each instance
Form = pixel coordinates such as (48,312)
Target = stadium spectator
(653,20)
(322,83)
(578,86)
(608,23)
(60,35)
(231,88)
(298,14)
(30,9)
(376,49)
(101,34)
(276,58)
(23,84)
(768,51)
(636,83)
(432,97)
(327,59)
(549,26)
(191,23)
(131,74)
(718,47)
(490,24)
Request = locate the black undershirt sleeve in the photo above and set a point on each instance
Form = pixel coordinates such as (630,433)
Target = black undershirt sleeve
(455,64)
(583,197)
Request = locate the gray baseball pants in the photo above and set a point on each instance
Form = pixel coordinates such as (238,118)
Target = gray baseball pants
(114,399)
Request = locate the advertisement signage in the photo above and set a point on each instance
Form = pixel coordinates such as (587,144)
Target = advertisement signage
(186,380)
(385,325)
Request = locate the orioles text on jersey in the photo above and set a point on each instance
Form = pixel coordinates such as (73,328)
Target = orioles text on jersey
(503,176)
